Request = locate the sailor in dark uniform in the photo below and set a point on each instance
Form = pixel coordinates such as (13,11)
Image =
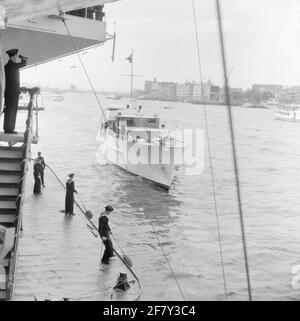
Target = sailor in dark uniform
(70,190)
(105,232)
(37,177)
(12,89)
(41,159)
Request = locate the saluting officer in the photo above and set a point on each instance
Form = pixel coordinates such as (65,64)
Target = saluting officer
(12,89)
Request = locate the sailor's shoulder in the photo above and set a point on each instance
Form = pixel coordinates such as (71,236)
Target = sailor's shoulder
(103,217)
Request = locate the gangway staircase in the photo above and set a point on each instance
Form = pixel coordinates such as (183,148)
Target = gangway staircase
(14,159)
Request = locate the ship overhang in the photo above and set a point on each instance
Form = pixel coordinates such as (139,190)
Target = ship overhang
(47,38)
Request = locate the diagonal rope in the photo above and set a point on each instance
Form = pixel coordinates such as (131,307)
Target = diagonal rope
(236,171)
(83,66)
(166,257)
(210,154)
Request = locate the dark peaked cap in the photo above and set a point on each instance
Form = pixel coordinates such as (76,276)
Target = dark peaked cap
(12,52)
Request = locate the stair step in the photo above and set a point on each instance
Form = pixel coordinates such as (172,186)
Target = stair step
(11,160)
(8,185)
(7,218)
(8,205)
(8,172)
(8,191)
(11,148)
(9,198)
(6,153)
(9,178)
(10,211)
(9,166)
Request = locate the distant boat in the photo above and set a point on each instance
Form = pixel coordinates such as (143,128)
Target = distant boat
(115,97)
(289,112)
(250,105)
(57,96)
(272,102)
(168,107)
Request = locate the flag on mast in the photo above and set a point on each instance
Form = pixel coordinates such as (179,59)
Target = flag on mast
(130,58)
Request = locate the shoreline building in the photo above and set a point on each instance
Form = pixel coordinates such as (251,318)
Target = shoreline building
(189,91)
(197,92)
(184,92)
(274,90)
(160,90)
(290,95)
(235,94)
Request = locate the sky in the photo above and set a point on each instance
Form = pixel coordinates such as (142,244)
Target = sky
(262,44)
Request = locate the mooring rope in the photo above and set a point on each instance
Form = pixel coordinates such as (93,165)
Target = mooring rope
(209,153)
(236,171)
(63,19)
(166,257)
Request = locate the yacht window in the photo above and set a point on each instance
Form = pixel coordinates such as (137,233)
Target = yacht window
(130,123)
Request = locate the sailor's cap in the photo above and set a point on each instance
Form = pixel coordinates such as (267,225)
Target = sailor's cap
(109,208)
(71,175)
(12,52)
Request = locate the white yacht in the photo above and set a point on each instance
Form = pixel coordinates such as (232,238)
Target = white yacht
(140,145)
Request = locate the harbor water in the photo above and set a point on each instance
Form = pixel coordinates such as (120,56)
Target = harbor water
(177,231)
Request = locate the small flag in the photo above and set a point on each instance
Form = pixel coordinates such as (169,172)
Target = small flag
(130,58)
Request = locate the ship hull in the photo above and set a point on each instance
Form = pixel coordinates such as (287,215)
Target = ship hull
(288,115)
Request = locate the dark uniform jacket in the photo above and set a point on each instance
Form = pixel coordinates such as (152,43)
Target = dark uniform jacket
(70,186)
(12,76)
(104,228)
(42,161)
(37,168)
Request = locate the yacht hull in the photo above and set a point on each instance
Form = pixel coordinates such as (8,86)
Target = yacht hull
(287,115)
(154,163)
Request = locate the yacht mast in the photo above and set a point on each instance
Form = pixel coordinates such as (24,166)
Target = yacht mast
(131,77)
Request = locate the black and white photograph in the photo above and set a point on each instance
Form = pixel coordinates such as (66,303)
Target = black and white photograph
(149,152)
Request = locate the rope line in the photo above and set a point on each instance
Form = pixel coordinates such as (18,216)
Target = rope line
(210,154)
(233,147)
(83,66)
(164,254)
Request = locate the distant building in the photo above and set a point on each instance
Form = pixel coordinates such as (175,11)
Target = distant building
(188,91)
(235,94)
(290,95)
(204,88)
(273,89)
(184,92)
(160,90)
(214,93)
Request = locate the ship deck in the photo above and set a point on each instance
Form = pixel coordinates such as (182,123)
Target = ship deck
(58,255)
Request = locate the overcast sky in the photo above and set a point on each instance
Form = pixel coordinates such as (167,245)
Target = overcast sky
(262,39)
